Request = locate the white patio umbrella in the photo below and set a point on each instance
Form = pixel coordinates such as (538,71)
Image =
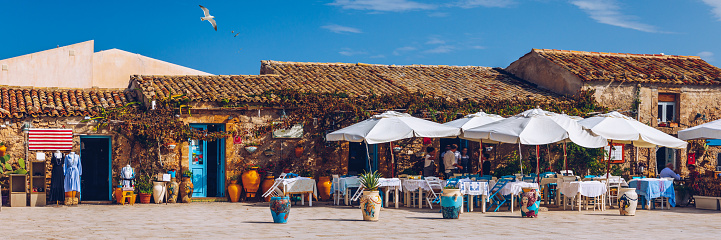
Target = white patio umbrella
(536,127)
(391,126)
(709,130)
(618,128)
(475,120)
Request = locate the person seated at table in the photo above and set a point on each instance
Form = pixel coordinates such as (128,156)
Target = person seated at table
(429,165)
(669,173)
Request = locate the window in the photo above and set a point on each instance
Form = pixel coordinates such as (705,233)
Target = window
(666,107)
(718,162)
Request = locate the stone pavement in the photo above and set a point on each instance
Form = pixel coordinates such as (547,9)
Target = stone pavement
(253,221)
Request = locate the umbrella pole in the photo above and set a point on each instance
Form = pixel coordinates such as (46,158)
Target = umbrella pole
(393,160)
(370,168)
(520,157)
(538,159)
(480,159)
(565,162)
(608,164)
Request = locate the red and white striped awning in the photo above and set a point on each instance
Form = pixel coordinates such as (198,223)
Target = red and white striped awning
(50,139)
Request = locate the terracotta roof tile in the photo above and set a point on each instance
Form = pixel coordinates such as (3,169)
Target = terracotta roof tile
(19,102)
(641,68)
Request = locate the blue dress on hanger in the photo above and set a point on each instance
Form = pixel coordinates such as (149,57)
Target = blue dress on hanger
(73,170)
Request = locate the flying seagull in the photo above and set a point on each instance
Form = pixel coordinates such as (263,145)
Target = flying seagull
(208,17)
(236,34)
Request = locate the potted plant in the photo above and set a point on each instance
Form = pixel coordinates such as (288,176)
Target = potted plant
(251,146)
(451,201)
(371,201)
(251,180)
(234,189)
(145,188)
(709,193)
(170,143)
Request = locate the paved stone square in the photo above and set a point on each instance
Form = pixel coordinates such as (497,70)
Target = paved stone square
(253,221)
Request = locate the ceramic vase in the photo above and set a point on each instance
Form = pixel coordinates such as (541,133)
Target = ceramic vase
(370,204)
(234,191)
(251,149)
(279,209)
(627,201)
(158,191)
(299,151)
(451,203)
(186,190)
(324,188)
(172,191)
(118,195)
(251,182)
(265,186)
(145,197)
(530,202)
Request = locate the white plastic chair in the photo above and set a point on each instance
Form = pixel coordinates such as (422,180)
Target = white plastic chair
(433,184)
(337,192)
(275,191)
(613,182)
(566,172)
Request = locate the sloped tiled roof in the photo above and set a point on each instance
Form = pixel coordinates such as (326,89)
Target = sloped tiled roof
(17,102)
(464,82)
(641,68)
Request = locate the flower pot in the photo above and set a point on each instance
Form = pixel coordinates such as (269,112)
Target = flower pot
(251,181)
(234,191)
(186,190)
(397,149)
(171,146)
(265,186)
(158,191)
(703,202)
(530,202)
(279,209)
(299,151)
(3,148)
(627,201)
(251,149)
(324,188)
(451,203)
(173,188)
(370,204)
(145,197)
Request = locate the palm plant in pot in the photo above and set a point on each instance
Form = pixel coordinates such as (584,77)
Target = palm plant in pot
(371,200)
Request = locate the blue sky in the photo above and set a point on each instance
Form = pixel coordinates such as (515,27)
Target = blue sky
(455,32)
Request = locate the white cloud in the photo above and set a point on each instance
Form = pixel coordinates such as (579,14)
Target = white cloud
(378,56)
(438,14)
(608,12)
(715,7)
(341,29)
(350,52)
(435,40)
(706,55)
(382,5)
(402,50)
(478,47)
(441,49)
(484,3)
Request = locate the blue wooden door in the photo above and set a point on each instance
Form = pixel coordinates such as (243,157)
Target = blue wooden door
(197,157)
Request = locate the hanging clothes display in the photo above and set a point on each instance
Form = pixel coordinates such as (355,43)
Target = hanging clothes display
(73,171)
(57,179)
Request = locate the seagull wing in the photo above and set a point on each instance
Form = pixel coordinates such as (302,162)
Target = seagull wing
(212,21)
(206,11)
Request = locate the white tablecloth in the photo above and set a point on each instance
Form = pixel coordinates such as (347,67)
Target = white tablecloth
(414,184)
(345,183)
(474,188)
(390,182)
(298,185)
(588,189)
(516,187)
(619,180)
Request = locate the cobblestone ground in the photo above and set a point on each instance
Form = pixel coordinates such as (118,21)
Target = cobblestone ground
(253,221)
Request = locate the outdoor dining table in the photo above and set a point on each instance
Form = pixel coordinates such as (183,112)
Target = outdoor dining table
(514,188)
(346,183)
(651,188)
(475,188)
(420,185)
(384,183)
(587,189)
(546,189)
(299,185)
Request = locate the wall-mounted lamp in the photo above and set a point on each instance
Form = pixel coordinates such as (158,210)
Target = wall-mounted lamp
(5,67)
(27,126)
(489,148)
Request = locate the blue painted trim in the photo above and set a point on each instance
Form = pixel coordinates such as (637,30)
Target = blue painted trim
(110,161)
(373,153)
(713,142)
(221,155)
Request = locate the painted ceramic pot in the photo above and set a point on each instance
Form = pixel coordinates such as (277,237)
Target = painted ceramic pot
(251,182)
(530,202)
(186,190)
(265,186)
(173,191)
(158,192)
(324,187)
(370,205)
(118,195)
(627,201)
(279,209)
(451,203)
(234,191)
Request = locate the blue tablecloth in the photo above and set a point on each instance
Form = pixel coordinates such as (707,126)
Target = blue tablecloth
(652,188)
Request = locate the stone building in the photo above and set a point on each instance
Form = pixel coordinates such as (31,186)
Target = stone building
(667,92)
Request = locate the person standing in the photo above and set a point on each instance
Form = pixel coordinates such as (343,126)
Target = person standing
(486,164)
(429,165)
(464,160)
(450,161)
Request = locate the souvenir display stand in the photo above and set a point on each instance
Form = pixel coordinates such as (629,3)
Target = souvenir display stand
(37,184)
(18,190)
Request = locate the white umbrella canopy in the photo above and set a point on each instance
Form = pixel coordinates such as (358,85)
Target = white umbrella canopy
(536,127)
(474,120)
(391,126)
(623,129)
(709,130)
